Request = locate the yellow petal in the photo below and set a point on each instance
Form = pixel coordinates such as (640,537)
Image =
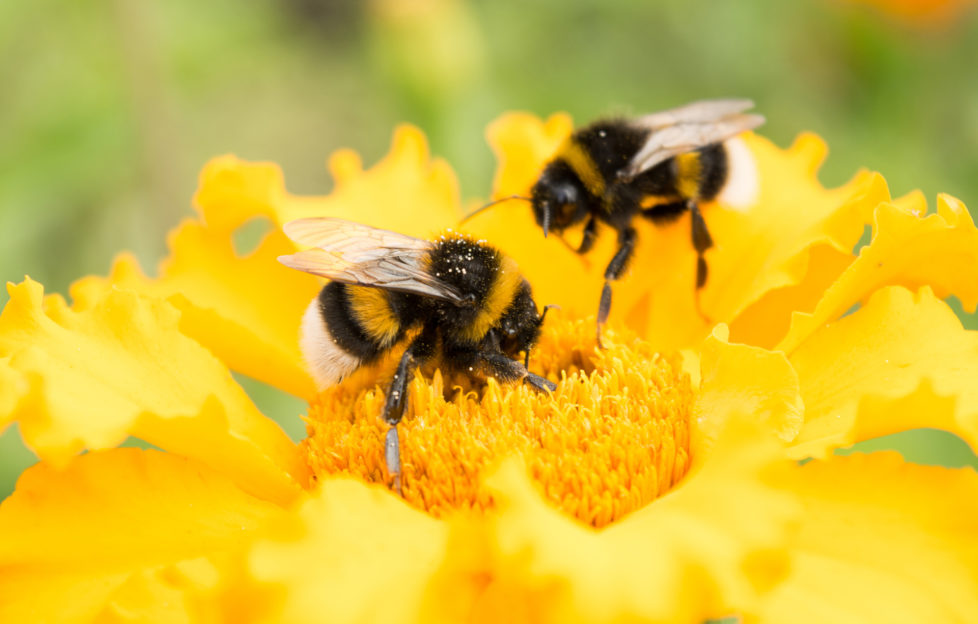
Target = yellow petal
(907,249)
(523,144)
(881,541)
(162,595)
(351,553)
(778,244)
(767,247)
(766,321)
(923,407)
(407,191)
(246,310)
(123,368)
(13,386)
(741,379)
(59,598)
(709,548)
(230,192)
(72,540)
(859,375)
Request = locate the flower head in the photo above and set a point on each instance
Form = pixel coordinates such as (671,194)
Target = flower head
(613,437)
(650,485)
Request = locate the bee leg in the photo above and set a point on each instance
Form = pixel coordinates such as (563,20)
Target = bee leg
(394,410)
(701,242)
(505,369)
(604,308)
(538,382)
(590,234)
(392,455)
(626,246)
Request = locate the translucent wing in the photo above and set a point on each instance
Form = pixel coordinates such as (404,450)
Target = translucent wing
(355,241)
(357,254)
(703,111)
(688,128)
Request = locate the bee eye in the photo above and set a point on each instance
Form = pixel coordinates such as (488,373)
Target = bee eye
(565,194)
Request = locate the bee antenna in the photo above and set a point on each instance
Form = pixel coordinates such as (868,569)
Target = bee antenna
(490,205)
(546,219)
(546,309)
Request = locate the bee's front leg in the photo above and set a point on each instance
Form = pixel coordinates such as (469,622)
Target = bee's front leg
(396,394)
(393,411)
(505,369)
(590,235)
(418,351)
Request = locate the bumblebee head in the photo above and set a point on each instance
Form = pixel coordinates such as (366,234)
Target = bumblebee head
(519,327)
(558,201)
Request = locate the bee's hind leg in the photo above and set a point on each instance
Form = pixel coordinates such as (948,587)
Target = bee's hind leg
(626,247)
(701,242)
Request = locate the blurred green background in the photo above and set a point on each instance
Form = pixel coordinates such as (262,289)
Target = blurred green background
(108,110)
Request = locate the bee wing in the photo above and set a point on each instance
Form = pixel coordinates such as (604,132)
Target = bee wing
(357,254)
(702,111)
(699,124)
(354,240)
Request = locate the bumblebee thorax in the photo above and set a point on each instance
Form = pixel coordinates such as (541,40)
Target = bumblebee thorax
(464,262)
(480,273)
(610,145)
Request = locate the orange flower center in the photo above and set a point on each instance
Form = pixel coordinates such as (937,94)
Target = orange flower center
(611,439)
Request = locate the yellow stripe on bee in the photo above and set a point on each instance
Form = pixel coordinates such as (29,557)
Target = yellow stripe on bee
(689,168)
(651,201)
(583,165)
(501,293)
(373,313)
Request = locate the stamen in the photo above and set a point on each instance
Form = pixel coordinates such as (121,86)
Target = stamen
(613,437)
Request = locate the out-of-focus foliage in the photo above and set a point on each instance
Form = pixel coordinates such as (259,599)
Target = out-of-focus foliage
(108,110)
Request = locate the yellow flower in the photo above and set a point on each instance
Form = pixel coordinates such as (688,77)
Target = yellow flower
(649,485)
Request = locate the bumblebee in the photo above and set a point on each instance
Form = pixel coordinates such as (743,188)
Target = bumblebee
(657,166)
(456,297)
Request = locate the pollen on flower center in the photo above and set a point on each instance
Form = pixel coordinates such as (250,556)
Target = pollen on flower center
(611,439)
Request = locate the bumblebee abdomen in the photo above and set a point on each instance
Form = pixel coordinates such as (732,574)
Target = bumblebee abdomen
(741,184)
(348,326)
(700,174)
(713,170)
(373,311)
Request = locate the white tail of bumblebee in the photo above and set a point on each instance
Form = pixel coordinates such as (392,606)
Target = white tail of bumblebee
(327,361)
(743,184)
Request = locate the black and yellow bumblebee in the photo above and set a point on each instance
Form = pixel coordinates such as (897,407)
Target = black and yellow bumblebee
(656,166)
(455,296)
